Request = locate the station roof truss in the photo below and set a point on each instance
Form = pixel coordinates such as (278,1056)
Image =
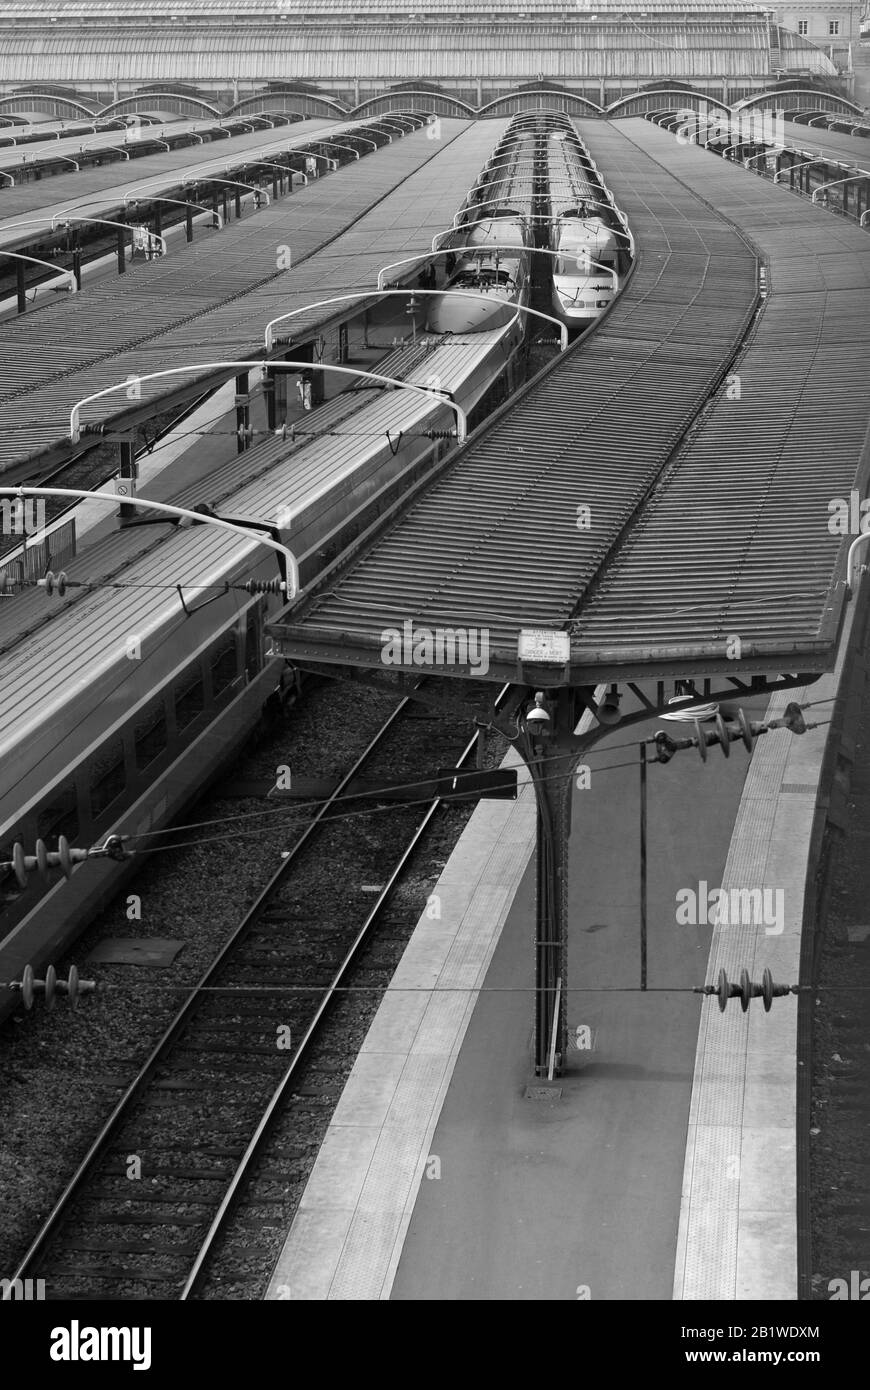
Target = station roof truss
(392,41)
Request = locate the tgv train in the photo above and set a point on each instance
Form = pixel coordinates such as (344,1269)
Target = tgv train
(494,265)
(583,235)
(117,705)
(491,245)
(585,276)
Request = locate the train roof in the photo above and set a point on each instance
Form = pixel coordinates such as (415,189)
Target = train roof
(573,230)
(84,634)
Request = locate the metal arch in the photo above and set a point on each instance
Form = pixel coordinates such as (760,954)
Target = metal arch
(560,93)
(107,149)
(267,364)
(68,275)
(506,155)
(299,96)
(335,145)
(292,584)
(268,164)
(59,219)
(35,162)
(804,164)
(410,293)
(47,96)
(106,222)
(534,217)
(177,202)
(231,183)
(849,178)
(495,246)
(154,96)
(349,149)
(364,107)
(399,130)
(412,116)
(779,96)
(366,139)
(774,152)
(488,108)
(666,90)
(302,149)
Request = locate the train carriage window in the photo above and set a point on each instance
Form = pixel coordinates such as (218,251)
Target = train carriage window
(189,702)
(108,777)
(149,736)
(59,816)
(224,665)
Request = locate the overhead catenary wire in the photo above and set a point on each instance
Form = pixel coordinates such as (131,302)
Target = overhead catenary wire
(373,794)
(105,986)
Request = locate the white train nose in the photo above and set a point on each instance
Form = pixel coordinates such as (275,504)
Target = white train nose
(450,314)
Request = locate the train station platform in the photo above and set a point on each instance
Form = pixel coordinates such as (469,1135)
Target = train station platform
(211,302)
(667,1167)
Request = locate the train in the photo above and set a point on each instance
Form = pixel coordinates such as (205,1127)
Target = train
(119,705)
(584,236)
(539,177)
(122,699)
(585,278)
(491,248)
(486,268)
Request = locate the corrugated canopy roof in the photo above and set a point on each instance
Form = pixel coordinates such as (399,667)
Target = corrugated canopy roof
(394,52)
(204,11)
(729,539)
(212,300)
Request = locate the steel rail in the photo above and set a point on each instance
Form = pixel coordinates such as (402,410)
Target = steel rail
(135,1088)
(314,1026)
(148,1067)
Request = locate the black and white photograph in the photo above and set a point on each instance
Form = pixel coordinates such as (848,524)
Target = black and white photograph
(434,673)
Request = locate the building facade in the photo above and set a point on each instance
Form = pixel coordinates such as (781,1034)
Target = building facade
(832,25)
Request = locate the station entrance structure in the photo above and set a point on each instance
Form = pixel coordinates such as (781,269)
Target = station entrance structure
(592,535)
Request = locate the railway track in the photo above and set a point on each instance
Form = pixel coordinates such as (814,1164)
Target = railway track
(160,1185)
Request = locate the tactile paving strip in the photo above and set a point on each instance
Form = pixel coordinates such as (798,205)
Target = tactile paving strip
(738,1218)
(347,1237)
